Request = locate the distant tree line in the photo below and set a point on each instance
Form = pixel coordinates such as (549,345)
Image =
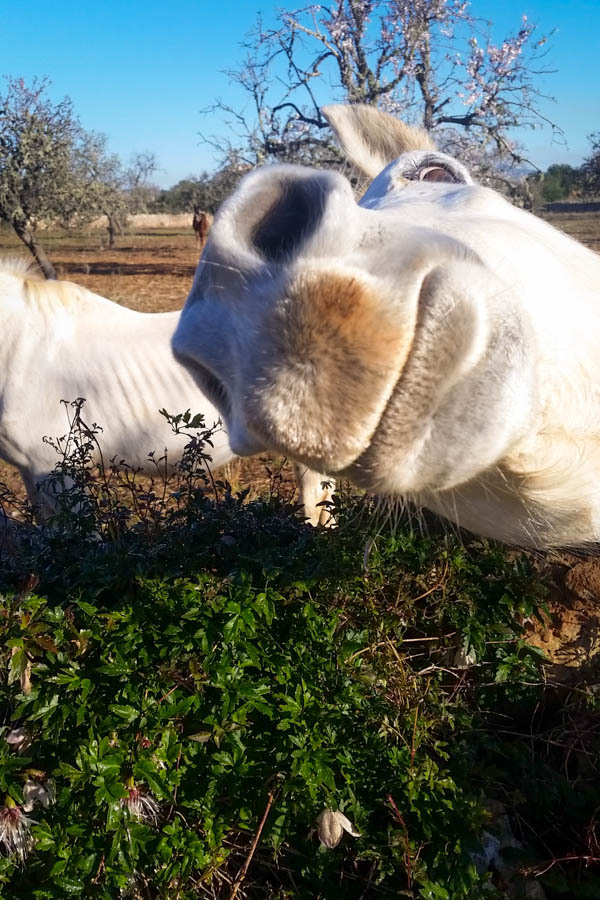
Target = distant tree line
(565,182)
(559,182)
(206,191)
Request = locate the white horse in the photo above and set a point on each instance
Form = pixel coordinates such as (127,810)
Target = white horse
(431,342)
(60,341)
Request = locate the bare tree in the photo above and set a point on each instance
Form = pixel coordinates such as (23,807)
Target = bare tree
(115,190)
(432,62)
(136,182)
(49,166)
(100,175)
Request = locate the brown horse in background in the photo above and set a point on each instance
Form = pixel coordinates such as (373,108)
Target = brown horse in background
(201,224)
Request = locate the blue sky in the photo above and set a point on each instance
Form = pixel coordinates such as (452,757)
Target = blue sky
(141,71)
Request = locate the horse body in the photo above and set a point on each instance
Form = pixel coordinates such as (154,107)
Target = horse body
(431,342)
(60,342)
(201,223)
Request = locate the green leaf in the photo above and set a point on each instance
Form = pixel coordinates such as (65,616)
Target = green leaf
(145,770)
(128,713)
(69,885)
(17,666)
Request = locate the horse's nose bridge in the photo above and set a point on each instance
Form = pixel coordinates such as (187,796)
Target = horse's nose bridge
(401,250)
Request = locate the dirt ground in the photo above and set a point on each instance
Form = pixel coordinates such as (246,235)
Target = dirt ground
(584,227)
(152,271)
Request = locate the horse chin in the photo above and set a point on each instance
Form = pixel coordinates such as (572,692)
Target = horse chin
(243,443)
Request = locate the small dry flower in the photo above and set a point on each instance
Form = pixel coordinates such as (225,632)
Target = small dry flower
(141,805)
(38,792)
(19,739)
(331,825)
(464,659)
(15,830)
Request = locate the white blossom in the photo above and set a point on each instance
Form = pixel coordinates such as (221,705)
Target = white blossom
(331,825)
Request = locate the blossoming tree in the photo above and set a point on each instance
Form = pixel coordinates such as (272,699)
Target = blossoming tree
(432,62)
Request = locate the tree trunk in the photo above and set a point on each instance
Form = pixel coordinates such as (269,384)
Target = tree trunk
(114,227)
(111,230)
(27,235)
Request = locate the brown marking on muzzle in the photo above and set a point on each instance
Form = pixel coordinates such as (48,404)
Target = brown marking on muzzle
(346,315)
(339,347)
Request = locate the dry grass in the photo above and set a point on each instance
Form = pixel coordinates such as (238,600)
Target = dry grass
(141,221)
(584,227)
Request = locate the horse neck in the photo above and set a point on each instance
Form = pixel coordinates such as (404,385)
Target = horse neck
(17,322)
(136,348)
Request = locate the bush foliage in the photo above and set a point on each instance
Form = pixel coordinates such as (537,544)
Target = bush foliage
(191,679)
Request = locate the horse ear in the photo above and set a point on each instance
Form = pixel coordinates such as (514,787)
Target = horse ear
(372,139)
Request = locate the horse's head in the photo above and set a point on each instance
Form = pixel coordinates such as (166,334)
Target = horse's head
(394,340)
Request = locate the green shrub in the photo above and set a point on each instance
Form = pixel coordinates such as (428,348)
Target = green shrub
(191,679)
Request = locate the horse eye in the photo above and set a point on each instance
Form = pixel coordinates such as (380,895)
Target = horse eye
(434,173)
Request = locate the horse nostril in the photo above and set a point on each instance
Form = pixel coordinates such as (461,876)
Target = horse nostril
(291,219)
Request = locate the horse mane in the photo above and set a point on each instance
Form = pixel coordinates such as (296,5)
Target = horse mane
(20,267)
(45,294)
